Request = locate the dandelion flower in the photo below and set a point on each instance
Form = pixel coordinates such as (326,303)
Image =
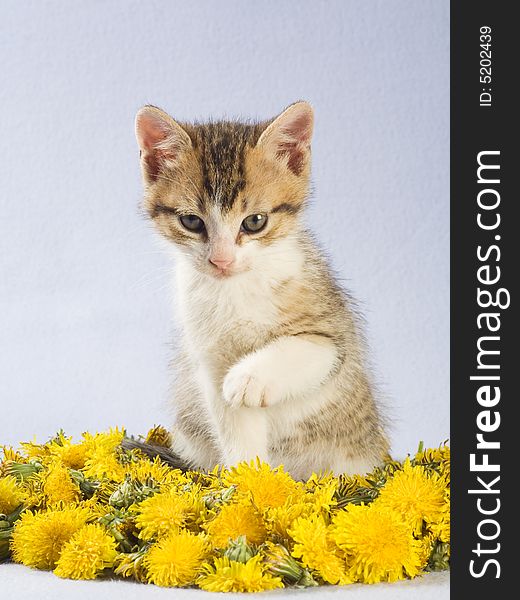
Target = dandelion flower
(102,459)
(427,546)
(38,538)
(11,496)
(58,485)
(437,458)
(316,550)
(34,450)
(441,527)
(156,472)
(108,440)
(160,436)
(89,551)
(130,564)
(71,455)
(415,495)
(165,512)
(379,545)
(354,489)
(91,508)
(321,492)
(280,519)
(279,561)
(231,576)
(10,455)
(235,520)
(176,560)
(268,487)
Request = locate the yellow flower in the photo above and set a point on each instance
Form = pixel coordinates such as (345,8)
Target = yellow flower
(34,450)
(234,520)
(230,576)
(109,440)
(38,538)
(160,436)
(176,560)
(316,550)
(89,551)
(244,529)
(268,487)
(101,464)
(71,455)
(321,491)
(130,564)
(353,489)
(379,545)
(11,496)
(155,472)
(58,485)
(166,512)
(436,456)
(10,455)
(427,545)
(415,495)
(279,562)
(441,528)
(101,456)
(280,519)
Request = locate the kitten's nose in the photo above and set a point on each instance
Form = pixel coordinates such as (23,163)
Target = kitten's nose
(222,263)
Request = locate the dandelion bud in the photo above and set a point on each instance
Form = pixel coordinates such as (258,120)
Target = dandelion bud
(239,550)
(279,562)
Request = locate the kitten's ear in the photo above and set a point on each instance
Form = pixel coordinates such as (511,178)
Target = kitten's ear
(288,137)
(161,140)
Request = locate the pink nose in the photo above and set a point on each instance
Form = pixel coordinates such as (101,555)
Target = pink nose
(221,263)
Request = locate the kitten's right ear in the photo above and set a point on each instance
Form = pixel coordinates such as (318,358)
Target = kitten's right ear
(161,140)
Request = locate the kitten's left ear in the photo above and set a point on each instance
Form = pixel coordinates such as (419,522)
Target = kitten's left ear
(288,137)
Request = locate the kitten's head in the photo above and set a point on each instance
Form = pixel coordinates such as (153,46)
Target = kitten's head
(225,192)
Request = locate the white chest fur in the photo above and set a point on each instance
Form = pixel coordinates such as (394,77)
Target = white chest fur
(218,316)
(230,317)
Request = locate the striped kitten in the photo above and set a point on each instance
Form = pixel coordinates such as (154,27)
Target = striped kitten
(270,362)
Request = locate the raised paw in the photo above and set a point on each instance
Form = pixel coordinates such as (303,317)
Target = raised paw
(244,385)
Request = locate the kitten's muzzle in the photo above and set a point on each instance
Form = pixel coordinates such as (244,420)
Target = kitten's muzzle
(222,264)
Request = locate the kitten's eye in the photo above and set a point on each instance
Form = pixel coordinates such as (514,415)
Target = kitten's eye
(254,223)
(192,223)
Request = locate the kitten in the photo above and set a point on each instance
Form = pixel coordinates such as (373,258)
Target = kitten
(270,362)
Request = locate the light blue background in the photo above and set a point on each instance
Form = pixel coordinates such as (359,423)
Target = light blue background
(85,312)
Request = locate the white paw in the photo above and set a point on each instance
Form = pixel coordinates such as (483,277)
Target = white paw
(247,384)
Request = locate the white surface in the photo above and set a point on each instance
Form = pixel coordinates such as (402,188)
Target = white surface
(19,581)
(85,319)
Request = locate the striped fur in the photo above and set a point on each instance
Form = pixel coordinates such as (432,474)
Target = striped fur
(270,361)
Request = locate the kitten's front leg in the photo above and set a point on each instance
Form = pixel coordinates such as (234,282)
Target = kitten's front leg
(288,367)
(244,435)
(241,432)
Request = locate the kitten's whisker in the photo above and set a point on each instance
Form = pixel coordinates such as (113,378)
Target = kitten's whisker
(120,238)
(164,286)
(157,271)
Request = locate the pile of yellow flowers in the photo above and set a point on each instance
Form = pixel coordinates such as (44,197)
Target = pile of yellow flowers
(94,509)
